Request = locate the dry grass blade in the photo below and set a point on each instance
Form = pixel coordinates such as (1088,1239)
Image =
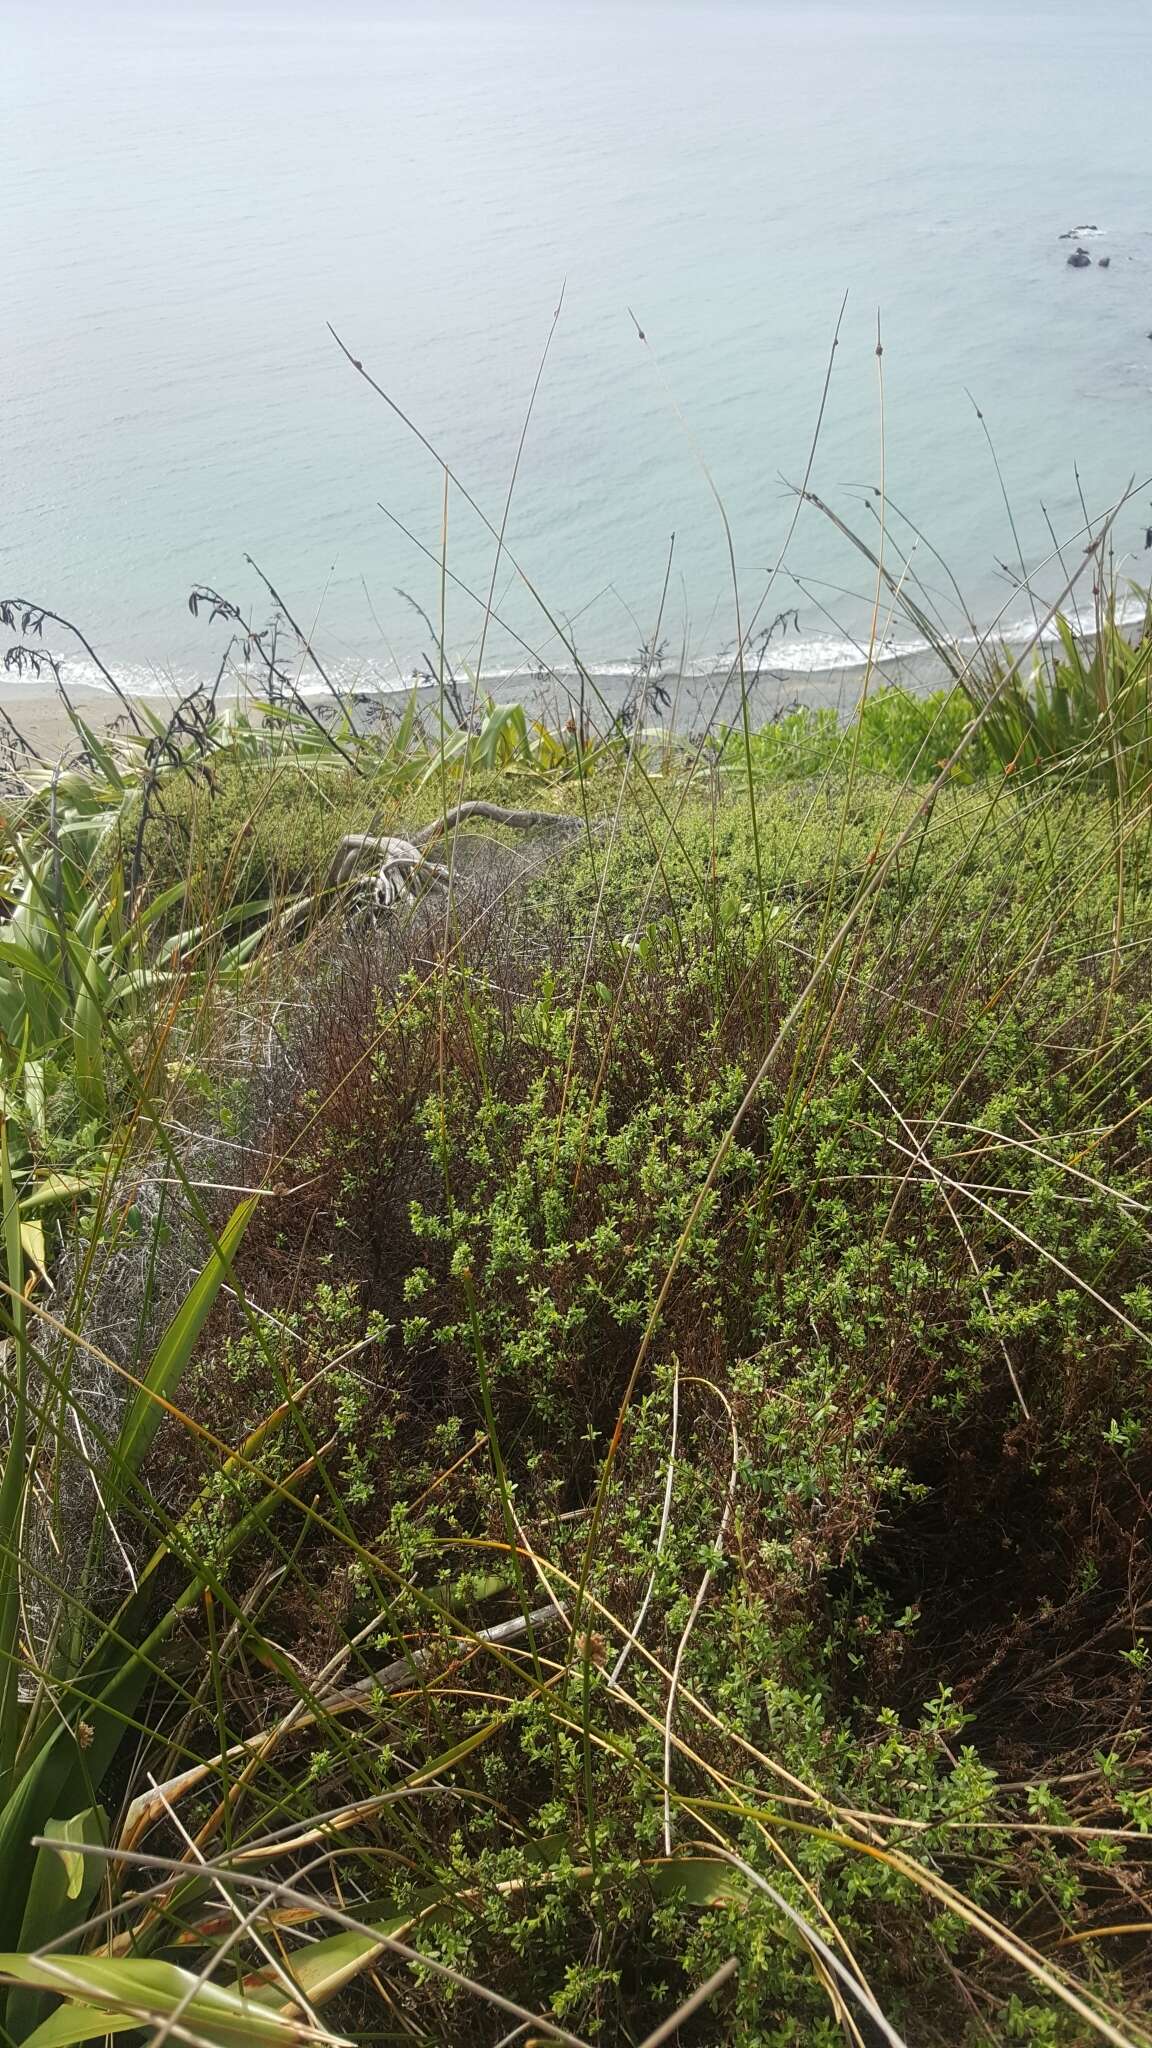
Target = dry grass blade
(285,1894)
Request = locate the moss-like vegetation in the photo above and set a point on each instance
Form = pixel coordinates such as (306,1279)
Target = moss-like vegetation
(925,1442)
(727,1248)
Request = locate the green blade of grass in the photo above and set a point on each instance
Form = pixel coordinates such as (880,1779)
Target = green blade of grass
(144,1413)
(14,1483)
(64,1883)
(145,1992)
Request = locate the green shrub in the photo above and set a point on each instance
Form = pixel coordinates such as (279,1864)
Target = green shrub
(737,1242)
(896,733)
(1085,711)
(907,1552)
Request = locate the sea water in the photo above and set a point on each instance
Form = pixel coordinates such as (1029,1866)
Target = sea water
(195,195)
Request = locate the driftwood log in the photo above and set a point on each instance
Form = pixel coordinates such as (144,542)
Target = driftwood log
(401,869)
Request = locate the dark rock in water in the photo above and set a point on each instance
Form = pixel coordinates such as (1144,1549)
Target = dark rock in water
(1089,227)
(1080,260)
(1103,263)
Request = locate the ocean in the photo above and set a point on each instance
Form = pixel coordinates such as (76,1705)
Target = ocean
(193,196)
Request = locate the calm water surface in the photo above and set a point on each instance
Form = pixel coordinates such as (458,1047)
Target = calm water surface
(192,193)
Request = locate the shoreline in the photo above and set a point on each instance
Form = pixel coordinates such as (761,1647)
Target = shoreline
(697,698)
(39,715)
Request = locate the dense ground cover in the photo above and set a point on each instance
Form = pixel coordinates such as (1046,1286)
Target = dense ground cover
(598,1425)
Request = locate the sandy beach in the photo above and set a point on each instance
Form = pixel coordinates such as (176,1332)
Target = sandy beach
(40,719)
(696,702)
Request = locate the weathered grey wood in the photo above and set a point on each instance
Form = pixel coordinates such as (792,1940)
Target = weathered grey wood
(496,814)
(403,1672)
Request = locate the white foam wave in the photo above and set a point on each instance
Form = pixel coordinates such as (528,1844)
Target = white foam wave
(362,679)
